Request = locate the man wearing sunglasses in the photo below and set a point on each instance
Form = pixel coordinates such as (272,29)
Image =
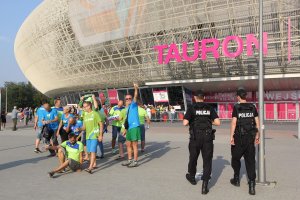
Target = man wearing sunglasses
(132,129)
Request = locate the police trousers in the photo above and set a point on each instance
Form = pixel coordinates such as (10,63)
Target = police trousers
(244,147)
(201,142)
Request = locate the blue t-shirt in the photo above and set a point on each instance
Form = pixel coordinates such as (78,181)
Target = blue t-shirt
(40,114)
(73,127)
(50,115)
(133,115)
(65,119)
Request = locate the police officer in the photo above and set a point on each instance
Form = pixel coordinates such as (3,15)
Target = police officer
(243,137)
(200,117)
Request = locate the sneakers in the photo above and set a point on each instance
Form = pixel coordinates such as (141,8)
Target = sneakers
(191,179)
(37,150)
(114,151)
(133,164)
(51,174)
(127,163)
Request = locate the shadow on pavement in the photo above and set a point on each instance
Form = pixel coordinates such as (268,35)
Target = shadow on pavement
(218,166)
(21,162)
(17,147)
(154,150)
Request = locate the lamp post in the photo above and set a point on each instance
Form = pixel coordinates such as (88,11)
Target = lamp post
(261,147)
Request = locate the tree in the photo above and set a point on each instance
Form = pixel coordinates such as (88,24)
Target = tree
(22,95)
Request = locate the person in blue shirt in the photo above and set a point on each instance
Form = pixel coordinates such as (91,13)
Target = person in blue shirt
(132,129)
(38,126)
(74,128)
(50,120)
(62,128)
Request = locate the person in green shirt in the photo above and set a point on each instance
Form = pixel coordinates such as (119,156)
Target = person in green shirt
(142,117)
(71,149)
(86,98)
(114,116)
(121,138)
(93,126)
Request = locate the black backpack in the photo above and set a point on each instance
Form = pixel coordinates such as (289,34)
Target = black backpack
(46,133)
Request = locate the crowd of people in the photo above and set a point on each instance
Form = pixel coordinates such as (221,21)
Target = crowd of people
(75,135)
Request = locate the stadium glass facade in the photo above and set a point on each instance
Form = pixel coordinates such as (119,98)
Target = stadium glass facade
(70,47)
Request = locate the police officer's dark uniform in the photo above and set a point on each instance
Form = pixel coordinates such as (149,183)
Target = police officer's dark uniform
(200,116)
(244,138)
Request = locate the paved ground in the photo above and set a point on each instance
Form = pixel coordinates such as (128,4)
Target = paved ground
(161,175)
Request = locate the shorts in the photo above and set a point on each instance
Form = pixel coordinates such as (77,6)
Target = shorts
(74,165)
(133,134)
(83,138)
(142,126)
(91,145)
(115,131)
(121,139)
(3,121)
(39,133)
(63,135)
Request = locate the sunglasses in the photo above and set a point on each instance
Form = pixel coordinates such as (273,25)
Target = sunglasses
(128,98)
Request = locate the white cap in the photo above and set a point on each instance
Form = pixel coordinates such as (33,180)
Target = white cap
(15,107)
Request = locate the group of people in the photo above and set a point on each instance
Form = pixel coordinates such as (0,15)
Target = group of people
(157,113)
(81,133)
(25,115)
(244,135)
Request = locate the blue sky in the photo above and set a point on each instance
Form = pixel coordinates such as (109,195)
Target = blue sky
(12,15)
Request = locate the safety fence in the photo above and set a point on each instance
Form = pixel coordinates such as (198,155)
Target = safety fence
(164,116)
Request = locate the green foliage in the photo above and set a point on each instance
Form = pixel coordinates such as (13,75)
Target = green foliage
(21,95)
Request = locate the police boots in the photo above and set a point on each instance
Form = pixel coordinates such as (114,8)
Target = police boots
(252,187)
(191,179)
(235,181)
(204,187)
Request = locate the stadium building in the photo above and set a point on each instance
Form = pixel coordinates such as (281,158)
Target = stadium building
(170,47)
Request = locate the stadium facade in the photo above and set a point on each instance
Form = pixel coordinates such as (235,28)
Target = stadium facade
(170,47)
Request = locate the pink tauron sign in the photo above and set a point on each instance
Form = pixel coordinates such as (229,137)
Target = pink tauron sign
(210,45)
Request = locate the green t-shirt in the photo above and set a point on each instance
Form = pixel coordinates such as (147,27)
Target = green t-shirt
(116,111)
(123,116)
(102,115)
(73,151)
(142,115)
(91,123)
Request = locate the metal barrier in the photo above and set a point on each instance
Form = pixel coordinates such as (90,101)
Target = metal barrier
(164,116)
(167,116)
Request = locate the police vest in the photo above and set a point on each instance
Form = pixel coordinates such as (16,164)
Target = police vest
(202,119)
(245,118)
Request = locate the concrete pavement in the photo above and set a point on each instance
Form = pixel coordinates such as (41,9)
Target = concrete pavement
(161,174)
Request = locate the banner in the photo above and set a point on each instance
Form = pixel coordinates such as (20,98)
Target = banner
(103,98)
(281,95)
(225,97)
(113,96)
(98,21)
(161,96)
